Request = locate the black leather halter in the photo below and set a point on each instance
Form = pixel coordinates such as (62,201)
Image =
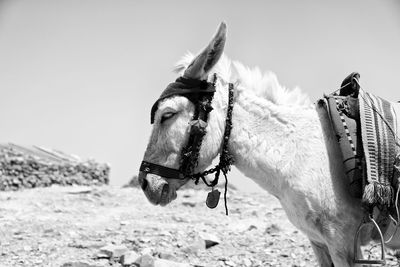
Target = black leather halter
(201,94)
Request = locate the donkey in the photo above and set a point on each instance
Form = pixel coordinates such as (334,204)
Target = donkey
(279,139)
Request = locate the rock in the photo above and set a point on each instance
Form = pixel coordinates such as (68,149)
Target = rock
(230,263)
(101,255)
(196,246)
(129,258)
(254,213)
(147,251)
(273,229)
(112,251)
(167,256)
(168,263)
(210,239)
(246,262)
(29,167)
(252,227)
(145,260)
(145,239)
(191,204)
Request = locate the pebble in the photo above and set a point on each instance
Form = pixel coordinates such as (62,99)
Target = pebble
(210,239)
(195,247)
(252,227)
(246,262)
(230,263)
(129,258)
(166,256)
(101,255)
(145,260)
(147,251)
(112,251)
(191,204)
(145,239)
(273,229)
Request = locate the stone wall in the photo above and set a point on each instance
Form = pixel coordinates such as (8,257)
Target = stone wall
(29,167)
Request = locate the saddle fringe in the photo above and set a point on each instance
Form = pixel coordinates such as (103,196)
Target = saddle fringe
(378,193)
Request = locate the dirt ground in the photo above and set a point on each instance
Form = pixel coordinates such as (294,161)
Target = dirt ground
(68,226)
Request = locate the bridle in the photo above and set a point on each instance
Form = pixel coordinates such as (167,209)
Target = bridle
(201,93)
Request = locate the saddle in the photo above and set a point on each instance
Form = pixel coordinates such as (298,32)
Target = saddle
(367,127)
(367,130)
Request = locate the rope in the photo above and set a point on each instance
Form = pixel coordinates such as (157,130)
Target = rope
(334,92)
(226,189)
(225,159)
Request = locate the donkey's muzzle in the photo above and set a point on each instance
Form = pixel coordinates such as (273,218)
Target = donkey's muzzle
(155,188)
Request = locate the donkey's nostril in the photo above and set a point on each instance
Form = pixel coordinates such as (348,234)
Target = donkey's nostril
(144,184)
(165,189)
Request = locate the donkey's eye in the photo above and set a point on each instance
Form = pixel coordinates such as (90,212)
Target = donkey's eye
(167,116)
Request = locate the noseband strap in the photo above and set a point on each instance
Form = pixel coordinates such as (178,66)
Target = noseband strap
(159,170)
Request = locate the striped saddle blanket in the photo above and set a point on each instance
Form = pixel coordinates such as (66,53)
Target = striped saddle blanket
(367,128)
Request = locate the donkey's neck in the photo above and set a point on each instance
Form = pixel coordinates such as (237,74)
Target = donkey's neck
(269,141)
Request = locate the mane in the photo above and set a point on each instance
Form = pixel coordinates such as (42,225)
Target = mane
(264,85)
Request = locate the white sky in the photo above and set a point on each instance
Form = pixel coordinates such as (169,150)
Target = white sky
(81,76)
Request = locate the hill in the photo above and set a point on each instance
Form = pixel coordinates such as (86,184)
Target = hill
(78,226)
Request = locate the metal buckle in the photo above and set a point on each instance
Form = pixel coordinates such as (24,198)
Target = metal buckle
(364,261)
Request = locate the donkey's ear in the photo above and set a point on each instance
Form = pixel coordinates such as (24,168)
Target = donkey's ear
(203,63)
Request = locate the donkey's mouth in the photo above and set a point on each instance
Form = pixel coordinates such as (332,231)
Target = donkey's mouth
(167,195)
(156,189)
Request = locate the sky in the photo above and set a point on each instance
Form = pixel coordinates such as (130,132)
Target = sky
(81,76)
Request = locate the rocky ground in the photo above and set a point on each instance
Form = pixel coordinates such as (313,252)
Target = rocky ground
(109,226)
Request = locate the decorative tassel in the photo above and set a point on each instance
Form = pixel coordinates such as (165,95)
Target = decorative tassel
(369,194)
(378,193)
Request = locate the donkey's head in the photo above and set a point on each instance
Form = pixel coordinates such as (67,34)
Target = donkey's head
(172,116)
